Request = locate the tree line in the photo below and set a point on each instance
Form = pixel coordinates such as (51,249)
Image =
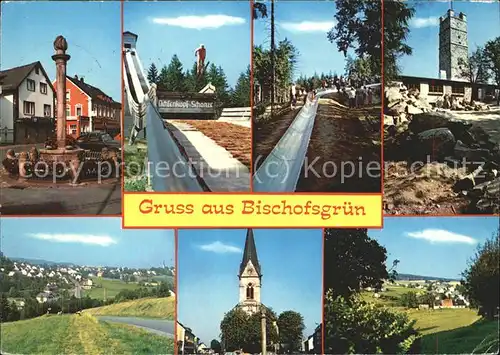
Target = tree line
(174,78)
(10,311)
(483,64)
(355,326)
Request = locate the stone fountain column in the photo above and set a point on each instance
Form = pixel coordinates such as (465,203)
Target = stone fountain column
(61,59)
(69,157)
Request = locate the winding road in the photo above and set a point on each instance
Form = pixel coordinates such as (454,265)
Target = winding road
(162,327)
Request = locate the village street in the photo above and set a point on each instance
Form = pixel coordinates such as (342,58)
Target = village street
(92,199)
(160,327)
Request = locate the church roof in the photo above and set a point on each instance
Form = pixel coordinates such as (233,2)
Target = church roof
(250,254)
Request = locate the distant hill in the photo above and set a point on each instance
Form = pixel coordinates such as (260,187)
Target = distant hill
(54,263)
(411,277)
(40,262)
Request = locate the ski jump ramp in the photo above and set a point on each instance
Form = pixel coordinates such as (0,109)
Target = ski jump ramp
(167,168)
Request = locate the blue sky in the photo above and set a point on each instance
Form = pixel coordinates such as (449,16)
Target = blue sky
(166,28)
(483,22)
(93,241)
(92,29)
(433,246)
(305,24)
(209,263)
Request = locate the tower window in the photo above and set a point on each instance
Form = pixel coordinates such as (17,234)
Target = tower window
(250,292)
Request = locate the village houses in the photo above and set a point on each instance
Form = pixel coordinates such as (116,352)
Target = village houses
(27,101)
(28,106)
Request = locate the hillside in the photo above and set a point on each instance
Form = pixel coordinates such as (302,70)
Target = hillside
(145,307)
(411,277)
(79,334)
(41,262)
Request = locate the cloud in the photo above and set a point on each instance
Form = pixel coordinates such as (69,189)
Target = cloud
(219,248)
(102,240)
(441,236)
(421,22)
(307,26)
(200,22)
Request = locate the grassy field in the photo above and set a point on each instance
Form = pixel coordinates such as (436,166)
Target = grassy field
(439,320)
(110,287)
(450,331)
(144,307)
(79,334)
(478,338)
(135,157)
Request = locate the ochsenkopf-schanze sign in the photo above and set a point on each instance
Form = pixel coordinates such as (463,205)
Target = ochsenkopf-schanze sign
(184,104)
(195,103)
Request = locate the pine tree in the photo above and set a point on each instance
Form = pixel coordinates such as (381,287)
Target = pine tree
(153,74)
(241,92)
(217,77)
(163,79)
(175,79)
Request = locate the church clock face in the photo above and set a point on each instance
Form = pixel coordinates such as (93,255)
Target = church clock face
(250,270)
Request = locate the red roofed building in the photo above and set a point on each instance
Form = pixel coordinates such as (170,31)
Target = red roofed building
(89,109)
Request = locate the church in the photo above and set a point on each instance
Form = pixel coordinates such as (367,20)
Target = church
(453,52)
(250,277)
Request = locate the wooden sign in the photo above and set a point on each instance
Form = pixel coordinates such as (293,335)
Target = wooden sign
(184,106)
(193,103)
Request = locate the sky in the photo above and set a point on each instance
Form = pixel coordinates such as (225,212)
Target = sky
(306,25)
(483,23)
(165,28)
(92,29)
(209,262)
(91,241)
(433,246)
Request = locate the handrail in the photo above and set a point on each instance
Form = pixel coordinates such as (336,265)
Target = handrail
(165,157)
(280,171)
(167,167)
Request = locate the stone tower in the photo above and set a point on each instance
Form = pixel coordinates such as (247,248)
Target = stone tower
(250,277)
(453,45)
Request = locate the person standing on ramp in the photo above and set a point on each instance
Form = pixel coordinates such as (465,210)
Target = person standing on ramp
(200,53)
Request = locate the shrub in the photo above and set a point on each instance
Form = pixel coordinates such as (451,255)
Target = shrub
(409,300)
(355,326)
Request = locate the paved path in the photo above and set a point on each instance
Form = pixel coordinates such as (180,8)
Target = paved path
(487,120)
(160,327)
(93,199)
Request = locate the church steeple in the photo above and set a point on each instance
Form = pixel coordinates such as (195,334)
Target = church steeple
(250,254)
(250,277)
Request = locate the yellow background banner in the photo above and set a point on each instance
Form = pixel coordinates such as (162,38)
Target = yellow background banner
(213,210)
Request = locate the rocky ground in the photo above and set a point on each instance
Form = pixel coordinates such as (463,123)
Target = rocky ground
(342,135)
(440,161)
(236,139)
(267,133)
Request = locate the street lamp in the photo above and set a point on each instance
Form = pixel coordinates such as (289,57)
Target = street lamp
(263,329)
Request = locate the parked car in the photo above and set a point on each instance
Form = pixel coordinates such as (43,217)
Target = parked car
(97,140)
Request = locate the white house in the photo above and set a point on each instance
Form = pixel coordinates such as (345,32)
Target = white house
(26,105)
